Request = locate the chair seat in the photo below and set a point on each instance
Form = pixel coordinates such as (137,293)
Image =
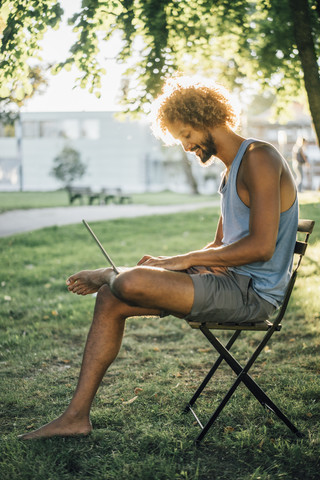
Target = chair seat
(257,327)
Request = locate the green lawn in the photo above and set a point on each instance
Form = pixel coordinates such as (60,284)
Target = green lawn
(42,333)
(59,198)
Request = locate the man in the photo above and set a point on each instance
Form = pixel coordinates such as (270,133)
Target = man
(299,160)
(241,275)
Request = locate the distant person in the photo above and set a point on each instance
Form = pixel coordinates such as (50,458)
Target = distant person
(299,160)
(241,274)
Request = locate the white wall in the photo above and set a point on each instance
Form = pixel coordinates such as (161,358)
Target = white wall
(116,159)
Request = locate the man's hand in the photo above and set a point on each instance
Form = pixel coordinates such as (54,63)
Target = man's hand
(179,262)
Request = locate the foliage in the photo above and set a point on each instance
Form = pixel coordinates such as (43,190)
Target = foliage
(68,166)
(43,330)
(22,26)
(9,104)
(240,42)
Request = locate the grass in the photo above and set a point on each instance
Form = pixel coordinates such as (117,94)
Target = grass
(139,430)
(59,198)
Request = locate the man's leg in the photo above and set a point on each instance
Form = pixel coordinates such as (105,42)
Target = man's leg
(106,332)
(152,287)
(141,286)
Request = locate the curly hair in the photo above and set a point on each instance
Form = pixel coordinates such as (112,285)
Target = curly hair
(199,104)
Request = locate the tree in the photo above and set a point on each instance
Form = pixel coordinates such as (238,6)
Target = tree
(284,55)
(10,104)
(68,166)
(302,28)
(22,25)
(272,43)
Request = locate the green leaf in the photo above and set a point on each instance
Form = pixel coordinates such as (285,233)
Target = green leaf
(4,91)
(20,93)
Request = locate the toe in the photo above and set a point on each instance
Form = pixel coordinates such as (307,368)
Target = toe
(71,280)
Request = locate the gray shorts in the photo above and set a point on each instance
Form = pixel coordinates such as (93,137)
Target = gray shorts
(224,296)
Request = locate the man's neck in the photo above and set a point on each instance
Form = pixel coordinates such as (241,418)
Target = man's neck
(227,143)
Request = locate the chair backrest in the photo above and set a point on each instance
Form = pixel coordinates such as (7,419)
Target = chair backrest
(304,226)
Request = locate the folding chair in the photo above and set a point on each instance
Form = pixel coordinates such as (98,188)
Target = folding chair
(269,326)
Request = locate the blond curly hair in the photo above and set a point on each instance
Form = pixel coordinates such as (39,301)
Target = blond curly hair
(201,104)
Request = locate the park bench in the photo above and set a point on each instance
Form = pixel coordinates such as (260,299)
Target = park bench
(115,195)
(104,195)
(81,192)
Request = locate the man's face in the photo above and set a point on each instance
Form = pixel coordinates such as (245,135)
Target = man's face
(199,142)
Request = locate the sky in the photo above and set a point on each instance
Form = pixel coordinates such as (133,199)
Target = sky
(60,95)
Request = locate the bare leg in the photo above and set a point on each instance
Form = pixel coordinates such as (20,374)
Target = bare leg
(105,336)
(102,347)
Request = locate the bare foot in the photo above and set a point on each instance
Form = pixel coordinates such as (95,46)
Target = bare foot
(63,426)
(88,281)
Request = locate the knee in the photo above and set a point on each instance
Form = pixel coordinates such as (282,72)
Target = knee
(108,306)
(104,294)
(107,299)
(128,285)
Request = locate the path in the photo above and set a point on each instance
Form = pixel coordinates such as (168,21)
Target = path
(18,221)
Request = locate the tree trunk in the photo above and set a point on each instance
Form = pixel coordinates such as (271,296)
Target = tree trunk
(189,174)
(318,8)
(304,40)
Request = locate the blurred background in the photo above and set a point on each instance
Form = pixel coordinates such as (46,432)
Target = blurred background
(78,79)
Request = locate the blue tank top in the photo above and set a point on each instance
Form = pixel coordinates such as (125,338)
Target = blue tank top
(269,279)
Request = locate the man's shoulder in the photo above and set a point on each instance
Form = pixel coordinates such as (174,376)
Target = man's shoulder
(259,146)
(261,162)
(260,152)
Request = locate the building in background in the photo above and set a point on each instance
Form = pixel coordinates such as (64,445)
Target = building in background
(284,136)
(125,154)
(118,154)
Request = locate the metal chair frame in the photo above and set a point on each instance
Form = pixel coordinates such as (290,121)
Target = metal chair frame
(269,326)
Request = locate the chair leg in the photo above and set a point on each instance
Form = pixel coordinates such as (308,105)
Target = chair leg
(244,377)
(218,410)
(210,373)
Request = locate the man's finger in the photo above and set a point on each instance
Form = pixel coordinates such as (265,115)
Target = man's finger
(144,259)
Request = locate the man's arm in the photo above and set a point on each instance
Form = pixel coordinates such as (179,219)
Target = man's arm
(261,176)
(217,242)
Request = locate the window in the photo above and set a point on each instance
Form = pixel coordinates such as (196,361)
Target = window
(30,129)
(9,172)
(70,129)
(7,130)
(90,129)
(48,129)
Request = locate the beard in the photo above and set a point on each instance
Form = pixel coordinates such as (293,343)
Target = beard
(208,150)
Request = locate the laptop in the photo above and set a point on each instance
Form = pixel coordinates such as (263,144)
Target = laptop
(107,256)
